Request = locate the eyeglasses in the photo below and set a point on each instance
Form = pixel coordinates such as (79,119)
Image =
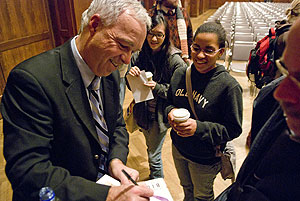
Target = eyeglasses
(206,52)
(157,35)
(282,69)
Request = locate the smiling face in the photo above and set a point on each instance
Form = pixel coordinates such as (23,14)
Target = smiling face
(107,48)
(156,37)
(205,42)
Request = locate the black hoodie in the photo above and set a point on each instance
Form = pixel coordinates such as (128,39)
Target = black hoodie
(218,103)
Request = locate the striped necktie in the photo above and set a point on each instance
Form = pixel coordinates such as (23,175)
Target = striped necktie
(97,110)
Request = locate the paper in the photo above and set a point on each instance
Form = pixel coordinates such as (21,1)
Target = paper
(140,92)
(161,191)
(108,181)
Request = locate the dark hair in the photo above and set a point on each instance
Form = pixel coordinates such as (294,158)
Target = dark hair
(156,20)
(146,58)
(213,27)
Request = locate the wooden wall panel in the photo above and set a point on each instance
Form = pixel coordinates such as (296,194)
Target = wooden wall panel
(14,56)
(79,7)
(216,3)
(194,12)
(22,18)
(201,8)
(187,5)
(25,31)
(206,5)
(63,20)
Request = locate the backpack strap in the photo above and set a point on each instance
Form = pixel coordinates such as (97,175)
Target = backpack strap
(272,33)
(188,83)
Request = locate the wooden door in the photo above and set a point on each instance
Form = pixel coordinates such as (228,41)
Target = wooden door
(25,31)
(201,8)
(63,20)
(206,5)
(216,3)
(194,12)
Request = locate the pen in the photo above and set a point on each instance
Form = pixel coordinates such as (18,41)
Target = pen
(129,177)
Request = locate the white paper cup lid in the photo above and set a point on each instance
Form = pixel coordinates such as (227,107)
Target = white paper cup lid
(181,114)
(148,74)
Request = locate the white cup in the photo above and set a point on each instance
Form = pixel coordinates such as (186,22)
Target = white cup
(181,115)
(149,75)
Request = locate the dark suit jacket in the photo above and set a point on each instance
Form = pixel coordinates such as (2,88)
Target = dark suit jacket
(49,135)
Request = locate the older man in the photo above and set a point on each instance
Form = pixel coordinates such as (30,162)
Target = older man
(271,170)
(63,124)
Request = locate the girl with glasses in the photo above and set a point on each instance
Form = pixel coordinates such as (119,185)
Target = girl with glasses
(217,99)
(161,58)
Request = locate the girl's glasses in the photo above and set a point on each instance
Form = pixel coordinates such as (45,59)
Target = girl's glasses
(157,35)
(207,52)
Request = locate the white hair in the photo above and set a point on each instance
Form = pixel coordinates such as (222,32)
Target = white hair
(110,10)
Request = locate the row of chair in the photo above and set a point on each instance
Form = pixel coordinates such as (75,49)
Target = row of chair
(245,24)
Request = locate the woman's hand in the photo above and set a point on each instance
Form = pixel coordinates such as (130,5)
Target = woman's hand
(183,129)
(150,84)
(134,71)
(171,117)
(187,128)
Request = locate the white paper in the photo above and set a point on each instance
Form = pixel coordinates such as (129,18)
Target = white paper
(108,181)
(161,191)
(140,92)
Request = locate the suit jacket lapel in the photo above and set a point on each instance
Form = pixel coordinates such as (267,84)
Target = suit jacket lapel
(75,89)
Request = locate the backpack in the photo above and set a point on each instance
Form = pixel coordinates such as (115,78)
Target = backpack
(261,68)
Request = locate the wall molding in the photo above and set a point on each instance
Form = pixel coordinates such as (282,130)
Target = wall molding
(18,42)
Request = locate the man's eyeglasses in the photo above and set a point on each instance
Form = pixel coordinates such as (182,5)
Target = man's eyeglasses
(282,69)
(157,35)
(207,52)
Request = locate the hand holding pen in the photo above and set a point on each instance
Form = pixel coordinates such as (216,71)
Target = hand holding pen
(128,192)
(129,177)
(134,182)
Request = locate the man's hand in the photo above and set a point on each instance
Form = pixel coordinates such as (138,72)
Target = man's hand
(129,192)
(115,170)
